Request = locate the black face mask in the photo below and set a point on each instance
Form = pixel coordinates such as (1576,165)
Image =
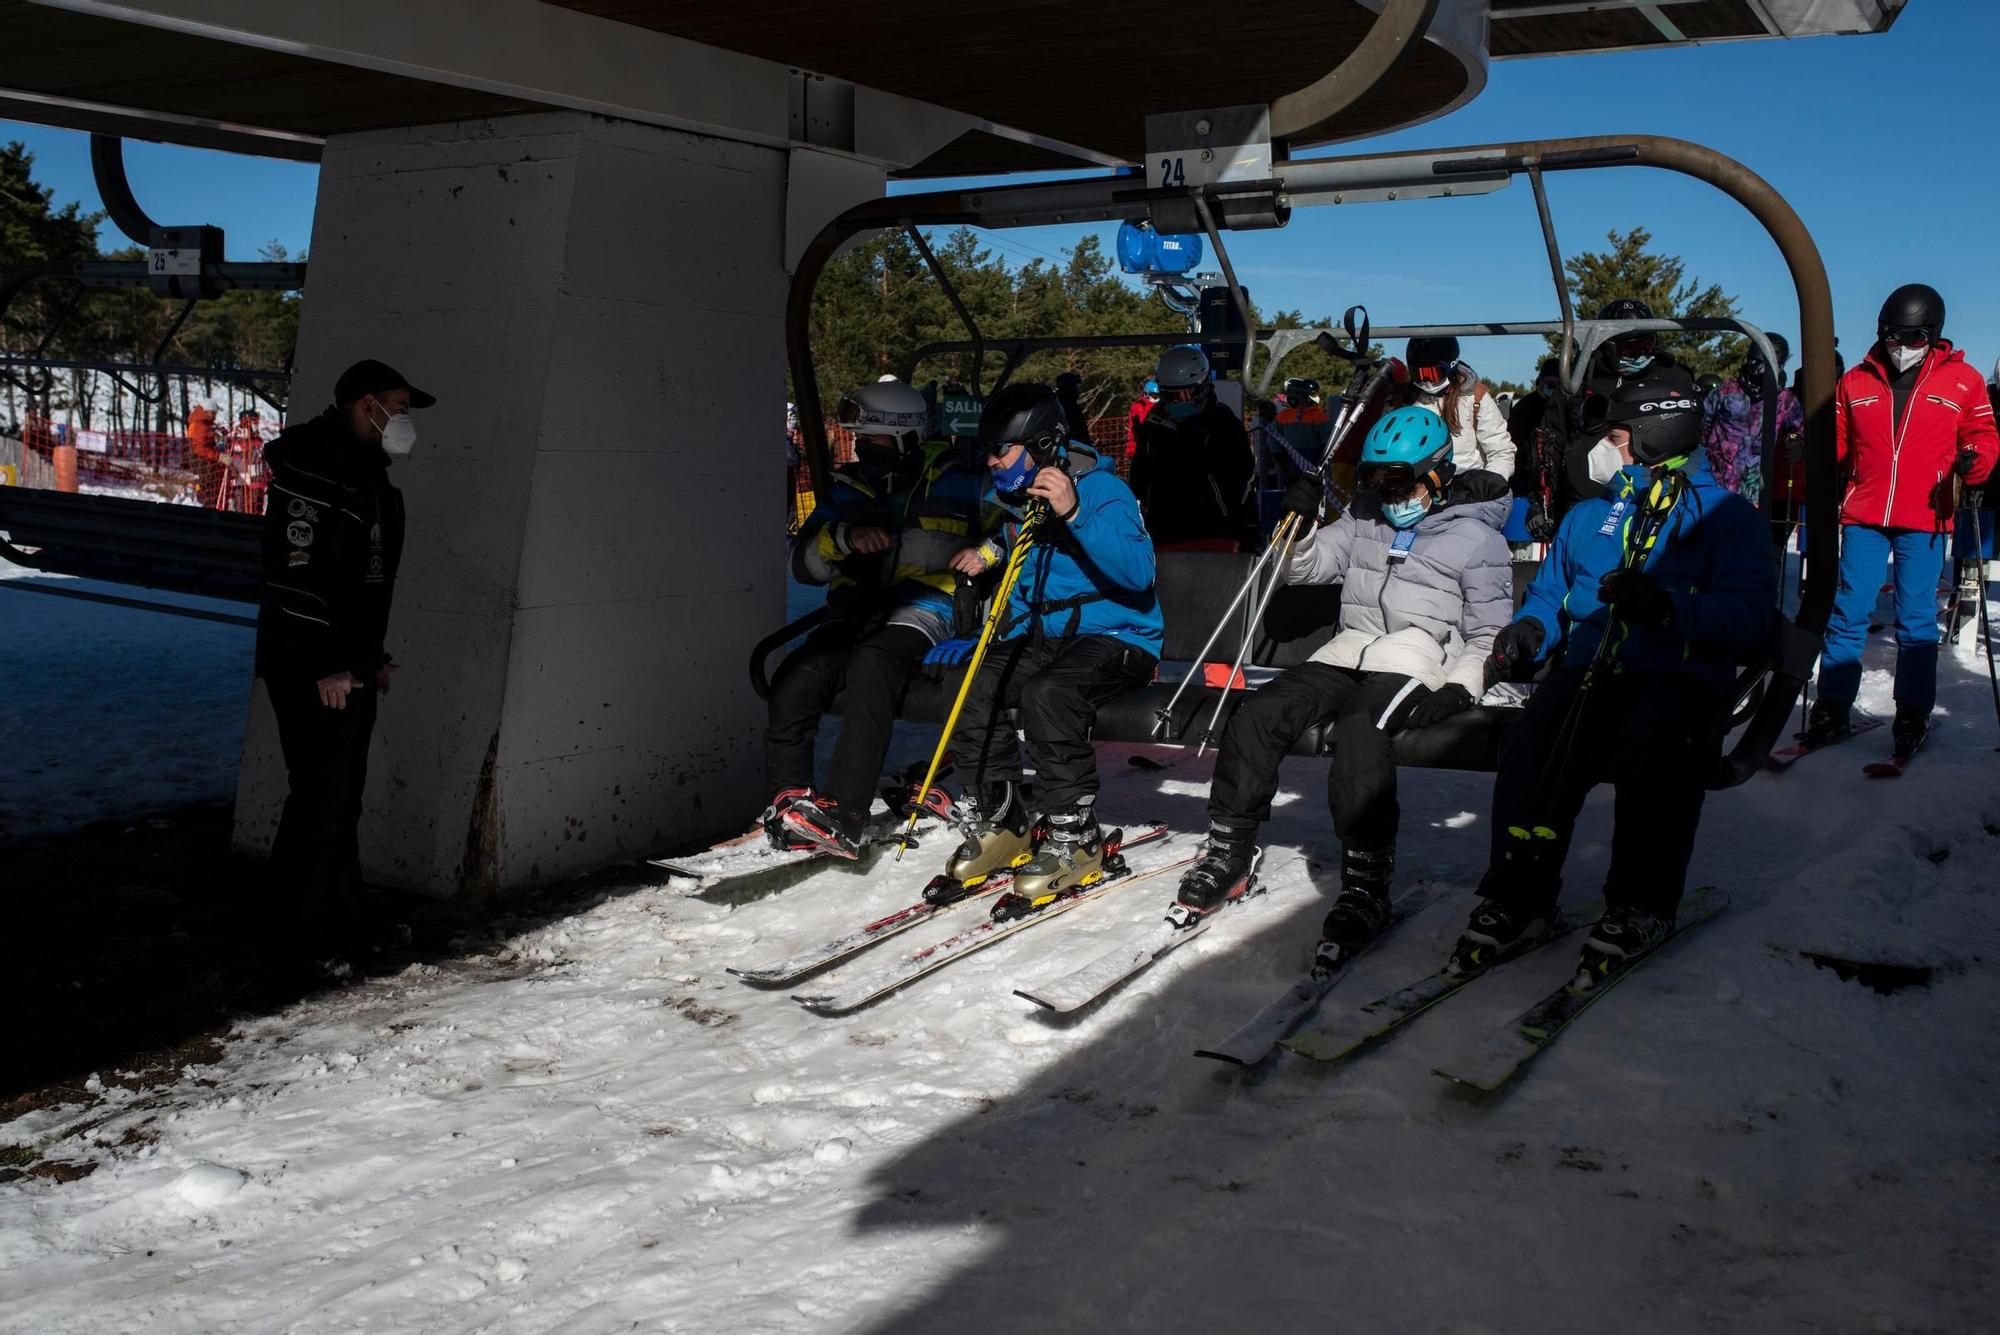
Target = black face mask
(879,460)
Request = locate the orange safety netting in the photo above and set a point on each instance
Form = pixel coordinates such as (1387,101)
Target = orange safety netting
(223,471)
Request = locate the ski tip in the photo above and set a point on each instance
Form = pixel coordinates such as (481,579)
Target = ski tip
(1227,1058)
(1041,1001)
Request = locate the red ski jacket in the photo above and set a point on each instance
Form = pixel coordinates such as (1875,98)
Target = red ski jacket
(1897,473)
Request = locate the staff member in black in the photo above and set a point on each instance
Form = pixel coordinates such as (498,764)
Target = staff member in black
(333,537)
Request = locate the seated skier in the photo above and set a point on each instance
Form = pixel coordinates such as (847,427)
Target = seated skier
(900,526)
(1082,625)
(1652,593)
(1426,581)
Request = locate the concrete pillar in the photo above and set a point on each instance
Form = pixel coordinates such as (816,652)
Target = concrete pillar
(594,503)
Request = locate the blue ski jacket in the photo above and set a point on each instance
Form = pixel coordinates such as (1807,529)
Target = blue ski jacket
(1713,559)
(1093,574)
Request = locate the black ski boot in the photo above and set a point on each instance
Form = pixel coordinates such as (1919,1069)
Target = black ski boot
(1907,733)
(1227,870)
(826,823)
(1829,721)
(1495,931)
(773,818)
(1621,936)
(1361,910)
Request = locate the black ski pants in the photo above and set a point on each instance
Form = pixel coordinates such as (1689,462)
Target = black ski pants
(1655,734)
(867,669)
(1057,684)
(1366,709)
(316,856)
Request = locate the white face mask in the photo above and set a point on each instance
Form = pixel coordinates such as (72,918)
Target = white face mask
(1903,358)
(1604,462)
(399,436)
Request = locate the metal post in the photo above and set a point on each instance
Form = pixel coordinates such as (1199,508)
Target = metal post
(1555,268)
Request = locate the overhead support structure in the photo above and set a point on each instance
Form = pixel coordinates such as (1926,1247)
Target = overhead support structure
(1423,174)
(1367,69)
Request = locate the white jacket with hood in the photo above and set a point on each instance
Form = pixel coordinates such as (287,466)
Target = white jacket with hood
(1483,441)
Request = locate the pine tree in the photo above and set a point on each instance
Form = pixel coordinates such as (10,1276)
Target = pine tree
(1630,269)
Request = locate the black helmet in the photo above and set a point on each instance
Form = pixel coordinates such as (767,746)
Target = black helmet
(1626,308)
(1299,391)
(1663,414)
(1030,414)
(1781,347)
(1437,353)
(1912,306)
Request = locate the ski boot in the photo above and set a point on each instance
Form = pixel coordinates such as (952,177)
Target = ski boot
(1829,721)
(827,824)
(1906,734)
(1225,874)
(1069,856)
(996,837)
(773,818)
(1496,931)
(1621,936)
(1361,910)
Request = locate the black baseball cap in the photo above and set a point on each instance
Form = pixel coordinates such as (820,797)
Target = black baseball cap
(373,377)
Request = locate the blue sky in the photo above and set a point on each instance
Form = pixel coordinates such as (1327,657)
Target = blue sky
(1883,144)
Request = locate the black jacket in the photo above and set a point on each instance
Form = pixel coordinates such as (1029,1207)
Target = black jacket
(1193,478)
(333,538)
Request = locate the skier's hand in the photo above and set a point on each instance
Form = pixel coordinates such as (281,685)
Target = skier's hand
(867,540)
(1967,460)
(386,674)
(1541,524)
(1439,705)
(1637,597)
(968,562)
(1054,486)
(1304,498)
(1795,446)
(950,653)
(334,687)
(1516,649)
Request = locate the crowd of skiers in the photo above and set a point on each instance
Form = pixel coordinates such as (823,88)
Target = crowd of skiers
(1657,583)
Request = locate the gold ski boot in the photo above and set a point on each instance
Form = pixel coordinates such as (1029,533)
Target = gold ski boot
(995,826)
(1070,857)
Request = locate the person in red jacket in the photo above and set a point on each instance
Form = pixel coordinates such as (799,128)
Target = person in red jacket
(1910,423)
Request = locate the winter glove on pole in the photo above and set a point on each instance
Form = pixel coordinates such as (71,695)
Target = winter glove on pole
(1967,460)
(1439,705)
(1637,597)
(1541,524)
(1516,648)
(1304,498)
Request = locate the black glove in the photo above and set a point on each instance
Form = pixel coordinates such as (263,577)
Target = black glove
(1305,496)
(1515,651)
(1440,704)
(1635,596)
(1541,524)
(1267,411)
(1967,460)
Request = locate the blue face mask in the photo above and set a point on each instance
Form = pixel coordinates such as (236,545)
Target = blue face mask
(1405,514)
(1182,412)
(1013,479)
(1634,365)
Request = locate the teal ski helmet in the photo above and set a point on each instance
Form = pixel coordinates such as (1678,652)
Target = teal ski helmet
(1407,446)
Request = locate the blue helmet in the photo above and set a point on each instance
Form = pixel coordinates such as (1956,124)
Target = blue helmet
(1408,445)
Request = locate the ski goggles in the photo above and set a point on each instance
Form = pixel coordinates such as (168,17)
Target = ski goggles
(1434,373)
(1389,482)
(1908,336)
(1181,393)
(1637,345)
(857,418)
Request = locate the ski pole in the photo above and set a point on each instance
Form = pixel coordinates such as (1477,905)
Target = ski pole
(1164,716)
(1975,502)
(1243,647)
(1016,559)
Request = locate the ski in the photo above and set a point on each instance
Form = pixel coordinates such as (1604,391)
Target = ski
(1893,767)
(1078,988)
(794,967)
(957,946)
(1502,1054)
(740,869)
(1259,1038)
(1785,757)
(1387,1014)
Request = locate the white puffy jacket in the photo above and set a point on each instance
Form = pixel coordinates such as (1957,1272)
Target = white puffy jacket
(1483,442)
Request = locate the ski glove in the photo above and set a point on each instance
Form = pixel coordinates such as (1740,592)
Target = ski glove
(1541,524)
(1516,649)
(950,653)
(1967,460)
(1439,705)
(1637,597)
(1305,496)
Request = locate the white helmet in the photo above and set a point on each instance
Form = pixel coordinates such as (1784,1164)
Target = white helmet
(886,408)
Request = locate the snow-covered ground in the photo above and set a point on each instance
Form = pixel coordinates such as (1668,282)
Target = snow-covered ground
(598,1130)
(110,711)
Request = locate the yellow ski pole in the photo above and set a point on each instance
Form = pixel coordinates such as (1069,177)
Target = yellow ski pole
(1015,560)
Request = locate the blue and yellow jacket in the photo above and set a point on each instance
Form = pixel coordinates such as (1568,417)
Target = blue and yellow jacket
(1093,574)
(1713,560)
(941,509)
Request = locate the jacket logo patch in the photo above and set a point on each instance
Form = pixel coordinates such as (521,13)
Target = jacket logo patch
(1612,519)
(298,509)
(299,534)
(298,558)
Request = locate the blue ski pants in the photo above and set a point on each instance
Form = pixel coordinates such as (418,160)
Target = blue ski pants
(1866,554)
